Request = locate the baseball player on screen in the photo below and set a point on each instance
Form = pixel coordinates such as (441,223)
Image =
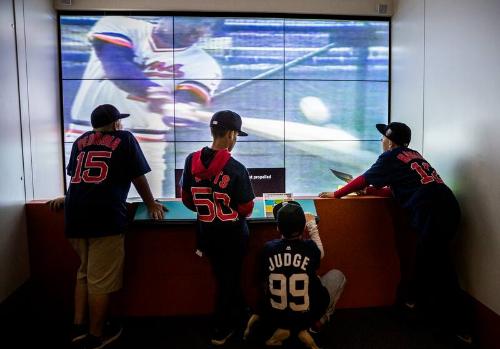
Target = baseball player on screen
(132,66)
(295,297)
(434,213)
(218,188)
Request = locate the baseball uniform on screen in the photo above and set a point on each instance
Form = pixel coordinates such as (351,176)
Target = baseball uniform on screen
(134,43)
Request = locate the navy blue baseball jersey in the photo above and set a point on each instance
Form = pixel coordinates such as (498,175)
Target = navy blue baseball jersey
(294,296)
(102,166)
(217,187)
(406,172)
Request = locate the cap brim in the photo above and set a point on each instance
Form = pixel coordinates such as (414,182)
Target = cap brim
(122,116)
(381,128)
(277,207)
(242,134)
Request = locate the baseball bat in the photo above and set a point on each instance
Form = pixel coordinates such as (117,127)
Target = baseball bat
(308,138)
(274,70)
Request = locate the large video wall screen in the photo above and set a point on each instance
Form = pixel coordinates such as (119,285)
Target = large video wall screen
(309,91)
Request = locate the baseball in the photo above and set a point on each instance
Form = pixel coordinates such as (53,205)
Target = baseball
(314,110)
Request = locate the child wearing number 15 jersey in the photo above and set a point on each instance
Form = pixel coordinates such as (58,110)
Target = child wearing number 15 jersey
(104,163)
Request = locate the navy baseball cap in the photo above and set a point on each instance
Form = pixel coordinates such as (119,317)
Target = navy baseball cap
(104,115)
(227,120)
(290,218)
(397,132)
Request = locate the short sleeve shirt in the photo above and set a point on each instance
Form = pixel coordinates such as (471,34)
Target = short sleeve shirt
(102,166)
(225,191)
(295,297)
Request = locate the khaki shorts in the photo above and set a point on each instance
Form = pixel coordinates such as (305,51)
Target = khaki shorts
(101,263)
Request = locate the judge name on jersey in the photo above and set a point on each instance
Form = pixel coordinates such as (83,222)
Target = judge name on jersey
(286,259)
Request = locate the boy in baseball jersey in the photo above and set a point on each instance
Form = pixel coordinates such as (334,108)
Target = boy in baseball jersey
(434,213)
(132,65)
(218,188)
(103,164)
(295,297)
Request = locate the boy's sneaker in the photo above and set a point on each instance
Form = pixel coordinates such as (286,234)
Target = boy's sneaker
(79,331)
(464,340)
(409,312)
(110,334)
(317,327)
(220,336)
(90,342)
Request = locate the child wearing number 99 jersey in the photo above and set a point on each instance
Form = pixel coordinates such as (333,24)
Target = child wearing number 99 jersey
(218,188)
(295,297)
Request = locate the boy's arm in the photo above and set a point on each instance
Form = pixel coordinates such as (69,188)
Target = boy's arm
(312,230)
(186,195)
(245,196)
(385,192)
(187,200)
(155,209)
(56,204)
(245,209)
(357,184)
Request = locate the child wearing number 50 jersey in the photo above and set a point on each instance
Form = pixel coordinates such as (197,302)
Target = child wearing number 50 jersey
(295,298)
(218,188)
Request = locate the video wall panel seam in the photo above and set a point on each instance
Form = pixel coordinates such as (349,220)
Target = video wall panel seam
(333,79)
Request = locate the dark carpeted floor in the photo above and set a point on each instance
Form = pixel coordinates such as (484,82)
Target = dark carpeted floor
(26,323)
(375,328)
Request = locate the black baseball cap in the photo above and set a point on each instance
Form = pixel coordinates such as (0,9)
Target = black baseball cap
(104,115)
(227,120)
(290,218)
(397,132)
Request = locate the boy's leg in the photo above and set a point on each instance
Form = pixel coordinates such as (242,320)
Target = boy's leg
(307,339)
(334,281)
(105,276)
(81,302)
(278,337)
(80,328)
(98,310)
(225,250)
(229,298)
(254,318)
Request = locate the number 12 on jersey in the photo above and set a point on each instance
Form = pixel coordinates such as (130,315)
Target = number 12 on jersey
(426,177)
